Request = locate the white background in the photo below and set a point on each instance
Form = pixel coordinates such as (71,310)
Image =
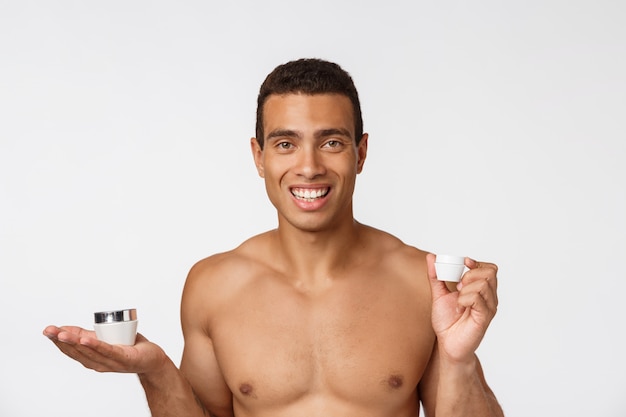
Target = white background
(496,131)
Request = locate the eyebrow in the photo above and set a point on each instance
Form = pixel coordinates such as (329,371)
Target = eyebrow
(332,132)
(282,133)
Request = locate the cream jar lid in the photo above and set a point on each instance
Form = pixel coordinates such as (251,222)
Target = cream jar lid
(115,316)
(450,259)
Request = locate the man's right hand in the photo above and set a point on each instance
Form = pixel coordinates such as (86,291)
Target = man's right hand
(82,345)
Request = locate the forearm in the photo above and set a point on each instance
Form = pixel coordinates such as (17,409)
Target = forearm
(169,394)
(463,392)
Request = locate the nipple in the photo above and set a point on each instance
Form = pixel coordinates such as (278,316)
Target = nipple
(395,381)
(246,389)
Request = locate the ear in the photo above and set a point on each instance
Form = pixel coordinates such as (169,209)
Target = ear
(257,154)
(361,153)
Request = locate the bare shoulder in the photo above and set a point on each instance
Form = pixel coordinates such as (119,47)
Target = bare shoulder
(213,281)
(393,251)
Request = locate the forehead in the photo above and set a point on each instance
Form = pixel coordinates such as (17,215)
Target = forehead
(297,111)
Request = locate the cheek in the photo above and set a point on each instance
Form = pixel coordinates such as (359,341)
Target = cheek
(277,168)
(274,175)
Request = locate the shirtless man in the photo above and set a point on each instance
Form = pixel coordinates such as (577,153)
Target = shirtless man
(322,316)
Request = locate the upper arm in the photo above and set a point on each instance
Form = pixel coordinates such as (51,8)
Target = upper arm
(199,363)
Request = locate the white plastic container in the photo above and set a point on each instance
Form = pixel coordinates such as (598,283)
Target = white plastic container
(117,327)
(449,268)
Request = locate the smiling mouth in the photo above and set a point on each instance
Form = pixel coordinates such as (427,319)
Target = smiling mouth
(309,194)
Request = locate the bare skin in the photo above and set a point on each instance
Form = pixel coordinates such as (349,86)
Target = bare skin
(322,316)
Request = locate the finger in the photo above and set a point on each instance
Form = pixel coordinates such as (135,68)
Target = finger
(480,299)
(438,288)
(474,302)
(74,341)
(73,335)
(474,264)
(485,288)
(79,331)
(51,332)
(482,281)
(480,271)
(67,333)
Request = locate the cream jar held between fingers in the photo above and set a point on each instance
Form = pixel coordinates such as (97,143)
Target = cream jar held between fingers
(449,268)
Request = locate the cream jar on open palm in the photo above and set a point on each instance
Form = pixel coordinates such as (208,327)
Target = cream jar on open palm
(118,327)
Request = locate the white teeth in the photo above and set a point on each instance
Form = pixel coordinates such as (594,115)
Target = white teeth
(308,194)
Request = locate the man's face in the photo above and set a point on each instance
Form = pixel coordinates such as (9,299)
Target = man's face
(310,158)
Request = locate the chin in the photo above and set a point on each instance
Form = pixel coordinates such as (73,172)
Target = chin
(310,226)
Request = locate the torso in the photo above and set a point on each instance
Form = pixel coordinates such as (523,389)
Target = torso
(358,346)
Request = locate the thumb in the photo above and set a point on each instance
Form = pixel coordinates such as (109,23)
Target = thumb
(438,288)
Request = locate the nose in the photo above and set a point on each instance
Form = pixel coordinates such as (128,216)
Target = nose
(310,163)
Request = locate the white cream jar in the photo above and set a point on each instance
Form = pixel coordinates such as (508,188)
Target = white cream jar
(117,327)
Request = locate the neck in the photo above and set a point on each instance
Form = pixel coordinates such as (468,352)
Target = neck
(314,258)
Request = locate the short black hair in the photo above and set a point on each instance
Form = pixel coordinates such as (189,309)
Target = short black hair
(308,76)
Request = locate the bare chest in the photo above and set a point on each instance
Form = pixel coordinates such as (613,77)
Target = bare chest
(352,345)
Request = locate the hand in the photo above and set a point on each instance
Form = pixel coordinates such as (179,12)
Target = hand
(460,318)
(83,346)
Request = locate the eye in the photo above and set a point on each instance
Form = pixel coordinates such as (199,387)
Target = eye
(333,144)
(284,145)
